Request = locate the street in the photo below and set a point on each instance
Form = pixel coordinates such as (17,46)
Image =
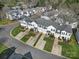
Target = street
(20,47)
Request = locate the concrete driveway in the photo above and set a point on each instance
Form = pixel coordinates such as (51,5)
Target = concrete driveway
(23,48)
(22,34)
(32,40)
(41,43)
(57,49)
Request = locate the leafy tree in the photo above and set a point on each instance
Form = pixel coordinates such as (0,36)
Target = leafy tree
(1,5)
(1,9)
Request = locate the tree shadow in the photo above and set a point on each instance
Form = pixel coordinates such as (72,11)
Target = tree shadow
(7,53)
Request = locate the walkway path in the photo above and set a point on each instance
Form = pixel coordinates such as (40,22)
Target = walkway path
(41,43)
(22,34)
(32,40)
(23,48)
(56,48)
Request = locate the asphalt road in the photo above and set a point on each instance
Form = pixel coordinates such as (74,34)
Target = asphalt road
(20,47)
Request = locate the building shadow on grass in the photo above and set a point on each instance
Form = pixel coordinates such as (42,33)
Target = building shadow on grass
(10,54)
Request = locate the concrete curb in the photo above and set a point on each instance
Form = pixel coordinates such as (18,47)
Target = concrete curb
(11,32)
(9,24)
(32,46)
(23,42)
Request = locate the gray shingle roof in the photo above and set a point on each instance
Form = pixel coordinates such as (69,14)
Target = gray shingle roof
(27,19)
(47,23)
(68,28)
(41,21)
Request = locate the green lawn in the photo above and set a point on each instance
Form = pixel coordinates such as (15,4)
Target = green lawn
(17,30)
(70,49)
(2,47)
(49,43)
(72,1)
(5,21)
(26,37)
(41,2)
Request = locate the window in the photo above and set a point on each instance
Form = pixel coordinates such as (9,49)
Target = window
(66,33)
(63,33)
(44,27)
(51,29)
(40,25)
(69,34)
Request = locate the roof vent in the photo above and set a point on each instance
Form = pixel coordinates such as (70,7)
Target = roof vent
(67,23)
(45,17)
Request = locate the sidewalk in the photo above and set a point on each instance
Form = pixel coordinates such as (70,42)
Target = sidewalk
(41,43)
(22,34)
(57,49)
(9,24)
(32,40)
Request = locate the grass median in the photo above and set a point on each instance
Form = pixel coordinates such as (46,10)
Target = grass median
(49,43)
(70,49)
(17,30)
(5,21)
(26,37)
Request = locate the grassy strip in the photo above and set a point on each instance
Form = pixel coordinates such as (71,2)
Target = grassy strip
(26,37)
(49,44)
(70,49)
(5,21)
(17,30)
(72,1)
(2,47)
(41,3)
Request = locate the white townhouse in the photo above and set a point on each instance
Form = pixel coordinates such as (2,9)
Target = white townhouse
(14,14)
(47,27)
(32,11)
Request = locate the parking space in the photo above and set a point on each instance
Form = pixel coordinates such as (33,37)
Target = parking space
(41,43)
(57,49)
(32,40)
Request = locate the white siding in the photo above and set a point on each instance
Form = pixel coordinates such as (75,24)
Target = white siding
(10,17)
(40,29)
(65,35)
(51,29)
(34,24)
